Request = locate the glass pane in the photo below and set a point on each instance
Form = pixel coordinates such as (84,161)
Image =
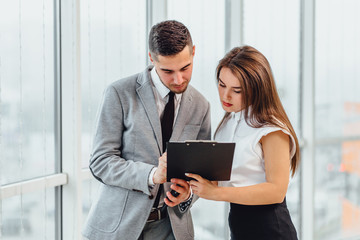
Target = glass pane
(113,45)
(27,89)
(29,217)
(337,69)
(206,23)
(337,112)
(337,201)
(274,29)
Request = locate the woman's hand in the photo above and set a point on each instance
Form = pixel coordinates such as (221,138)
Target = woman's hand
(203,187)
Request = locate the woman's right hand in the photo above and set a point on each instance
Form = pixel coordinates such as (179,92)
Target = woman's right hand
(202,187)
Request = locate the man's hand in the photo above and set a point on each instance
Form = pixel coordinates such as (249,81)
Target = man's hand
(160,173)
(182,187)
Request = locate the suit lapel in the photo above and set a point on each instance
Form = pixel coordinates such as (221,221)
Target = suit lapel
(146,95)
(183,115)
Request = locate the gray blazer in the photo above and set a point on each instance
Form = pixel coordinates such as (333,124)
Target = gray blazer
(127,145)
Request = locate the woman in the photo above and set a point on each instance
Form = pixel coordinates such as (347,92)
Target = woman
(266,151)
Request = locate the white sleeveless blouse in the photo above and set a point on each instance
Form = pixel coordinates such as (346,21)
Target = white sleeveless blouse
(248,164)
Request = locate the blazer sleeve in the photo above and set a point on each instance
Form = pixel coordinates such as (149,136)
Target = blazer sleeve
(106,163)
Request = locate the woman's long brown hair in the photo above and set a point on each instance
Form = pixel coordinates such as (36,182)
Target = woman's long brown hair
(259,91)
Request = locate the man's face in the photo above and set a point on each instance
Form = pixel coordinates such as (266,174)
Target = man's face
(175,71)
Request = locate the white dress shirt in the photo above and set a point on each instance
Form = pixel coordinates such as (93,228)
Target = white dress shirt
(161,95)
(161,98)
(248,163)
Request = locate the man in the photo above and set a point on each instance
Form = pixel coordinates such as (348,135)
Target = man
(132,130)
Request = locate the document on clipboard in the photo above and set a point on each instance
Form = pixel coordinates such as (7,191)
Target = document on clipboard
(209,159)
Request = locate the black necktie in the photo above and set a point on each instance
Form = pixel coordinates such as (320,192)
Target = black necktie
(167,120)
(166,130)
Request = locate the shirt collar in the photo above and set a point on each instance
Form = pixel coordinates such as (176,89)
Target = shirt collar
(160,87)
(236,115)
(240,115)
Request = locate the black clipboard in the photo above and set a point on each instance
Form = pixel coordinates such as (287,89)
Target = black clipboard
(211,160)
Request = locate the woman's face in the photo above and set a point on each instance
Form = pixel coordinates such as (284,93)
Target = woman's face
(230,91)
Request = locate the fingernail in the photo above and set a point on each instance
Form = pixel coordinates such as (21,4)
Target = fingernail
(186,174)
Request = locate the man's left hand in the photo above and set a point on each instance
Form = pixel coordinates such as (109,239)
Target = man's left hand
(183,190)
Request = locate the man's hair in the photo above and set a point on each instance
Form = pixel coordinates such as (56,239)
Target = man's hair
(169,38)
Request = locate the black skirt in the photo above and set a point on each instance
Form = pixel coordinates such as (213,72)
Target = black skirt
(261,222)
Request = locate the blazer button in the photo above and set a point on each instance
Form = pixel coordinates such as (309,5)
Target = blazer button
(151,197)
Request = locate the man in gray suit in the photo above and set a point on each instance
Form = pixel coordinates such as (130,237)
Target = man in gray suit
(134,200)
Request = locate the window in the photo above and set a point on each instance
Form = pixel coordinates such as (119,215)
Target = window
(337,120)
(27,83)
(27,118)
